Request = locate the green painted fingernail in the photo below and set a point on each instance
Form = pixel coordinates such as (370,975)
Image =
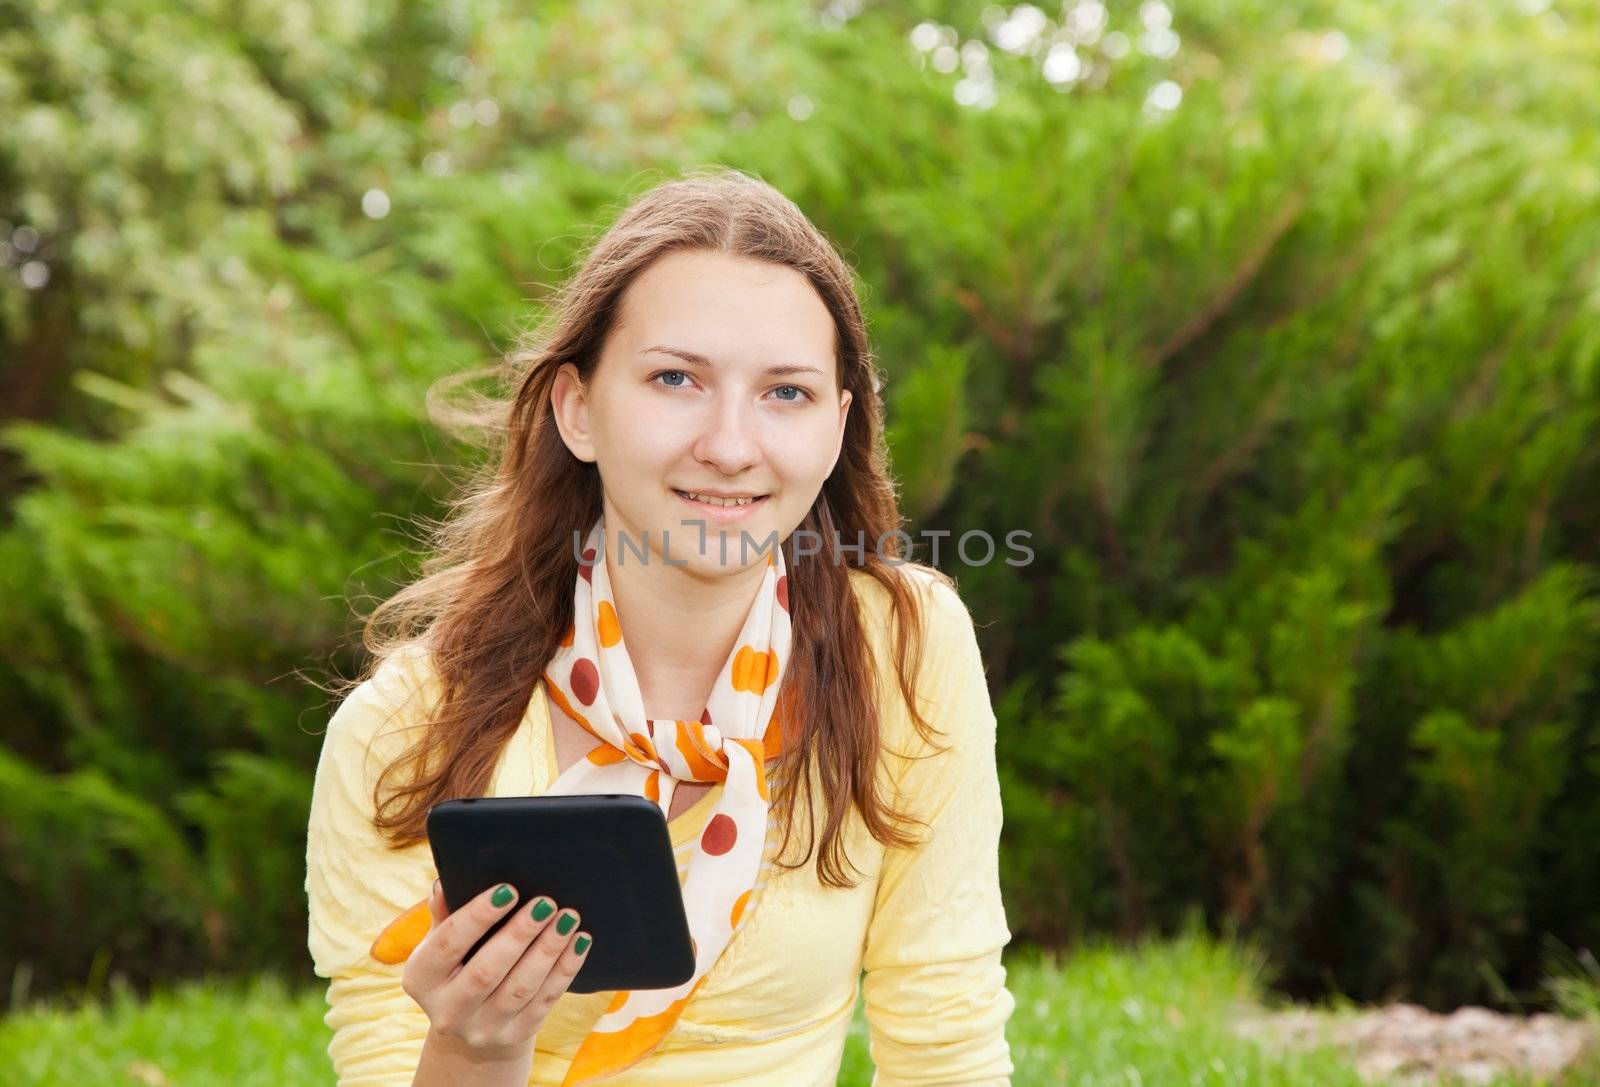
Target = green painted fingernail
(564,925)
(502,895)
(581,944)
(542,909)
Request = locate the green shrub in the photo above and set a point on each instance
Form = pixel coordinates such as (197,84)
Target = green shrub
(1294,387)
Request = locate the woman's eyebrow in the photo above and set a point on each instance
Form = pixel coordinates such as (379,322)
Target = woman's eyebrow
(695,359)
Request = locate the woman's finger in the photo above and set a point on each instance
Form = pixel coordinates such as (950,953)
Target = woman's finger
(558,976)
(484,979)
(447,944)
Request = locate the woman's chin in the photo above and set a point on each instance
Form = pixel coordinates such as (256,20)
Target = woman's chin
(712,562)
(720,554)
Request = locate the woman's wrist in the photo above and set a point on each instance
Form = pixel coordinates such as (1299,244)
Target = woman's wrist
(445,1059)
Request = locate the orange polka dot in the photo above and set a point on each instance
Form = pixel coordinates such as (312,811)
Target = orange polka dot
(604,755)
(738,909)
(617,1001)
(754,671)
(610,629)
(704,763)
(772,739)
(642,742)
(603,1052)
(652,787)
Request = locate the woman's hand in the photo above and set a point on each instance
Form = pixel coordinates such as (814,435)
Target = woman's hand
(493,1004)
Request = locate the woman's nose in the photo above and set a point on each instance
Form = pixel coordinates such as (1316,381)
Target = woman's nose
(729,439)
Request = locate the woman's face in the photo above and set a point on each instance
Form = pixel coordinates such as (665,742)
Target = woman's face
(719,377)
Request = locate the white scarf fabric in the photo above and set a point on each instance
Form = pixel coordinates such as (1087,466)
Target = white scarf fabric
(592,679)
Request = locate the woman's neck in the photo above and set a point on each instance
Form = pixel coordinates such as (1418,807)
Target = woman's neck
(679,629)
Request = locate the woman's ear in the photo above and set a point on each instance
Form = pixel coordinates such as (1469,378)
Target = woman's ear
(844,418)
(569,407)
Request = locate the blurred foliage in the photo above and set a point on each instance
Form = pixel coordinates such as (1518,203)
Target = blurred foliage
(1275,324)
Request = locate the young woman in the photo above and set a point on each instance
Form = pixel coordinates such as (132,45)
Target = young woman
(608,611)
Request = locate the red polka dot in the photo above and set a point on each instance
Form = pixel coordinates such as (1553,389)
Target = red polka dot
(585,681)
(719,836)
(586,567)
(783,592)
(705,716)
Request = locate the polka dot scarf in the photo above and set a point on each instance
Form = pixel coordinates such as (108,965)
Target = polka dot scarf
(593,681)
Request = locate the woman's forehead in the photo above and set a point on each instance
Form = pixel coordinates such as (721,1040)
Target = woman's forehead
(739,314)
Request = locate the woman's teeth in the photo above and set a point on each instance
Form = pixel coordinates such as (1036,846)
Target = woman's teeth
(713,501)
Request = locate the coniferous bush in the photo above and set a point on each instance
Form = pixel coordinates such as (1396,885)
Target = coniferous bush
(1276,326)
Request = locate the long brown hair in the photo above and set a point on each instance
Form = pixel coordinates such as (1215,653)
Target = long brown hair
(496,592)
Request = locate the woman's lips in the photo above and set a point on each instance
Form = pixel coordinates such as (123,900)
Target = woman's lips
(721,514)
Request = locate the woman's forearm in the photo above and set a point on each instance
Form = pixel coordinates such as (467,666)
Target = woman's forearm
(447,1063)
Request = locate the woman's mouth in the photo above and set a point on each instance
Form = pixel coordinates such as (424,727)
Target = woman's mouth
(721,509)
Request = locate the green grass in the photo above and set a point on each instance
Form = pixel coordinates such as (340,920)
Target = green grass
(1153,1016)
(239,1033)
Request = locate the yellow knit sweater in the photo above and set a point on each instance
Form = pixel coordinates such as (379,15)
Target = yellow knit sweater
(922,931)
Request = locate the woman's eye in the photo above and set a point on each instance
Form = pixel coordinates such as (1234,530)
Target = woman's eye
(804,395)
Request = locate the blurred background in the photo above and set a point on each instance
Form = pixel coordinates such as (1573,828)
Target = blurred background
(1275,322)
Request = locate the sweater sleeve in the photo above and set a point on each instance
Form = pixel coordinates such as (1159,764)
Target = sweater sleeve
(935,989)
(355,885)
